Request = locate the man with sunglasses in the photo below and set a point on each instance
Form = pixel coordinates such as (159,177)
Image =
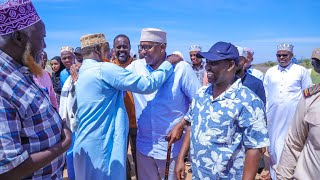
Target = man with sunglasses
(158,114)
(283,85)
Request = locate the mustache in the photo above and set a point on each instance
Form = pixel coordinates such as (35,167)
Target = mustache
(30,61)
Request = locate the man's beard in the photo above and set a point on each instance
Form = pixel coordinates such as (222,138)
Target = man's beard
(29,61)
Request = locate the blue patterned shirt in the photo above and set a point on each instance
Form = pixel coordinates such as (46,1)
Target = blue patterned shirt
(28,121)
(222,129)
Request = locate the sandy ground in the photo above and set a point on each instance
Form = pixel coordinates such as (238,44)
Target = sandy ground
(187,175)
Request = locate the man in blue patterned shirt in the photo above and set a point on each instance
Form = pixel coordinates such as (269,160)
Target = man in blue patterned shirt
(228,126)
(32,135)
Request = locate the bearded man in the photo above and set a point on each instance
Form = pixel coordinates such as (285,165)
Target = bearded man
(33,137)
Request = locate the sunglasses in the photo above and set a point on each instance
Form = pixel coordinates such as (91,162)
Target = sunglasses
(283,55)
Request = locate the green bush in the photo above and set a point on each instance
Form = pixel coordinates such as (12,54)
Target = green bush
(270,63)
(306,63)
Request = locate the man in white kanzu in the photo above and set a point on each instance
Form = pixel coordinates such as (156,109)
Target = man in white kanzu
(283,84)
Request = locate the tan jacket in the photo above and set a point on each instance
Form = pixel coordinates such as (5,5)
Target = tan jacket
(300,157)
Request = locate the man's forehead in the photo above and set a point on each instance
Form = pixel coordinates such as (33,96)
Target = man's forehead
(121,40)
(193,52)
(66,53)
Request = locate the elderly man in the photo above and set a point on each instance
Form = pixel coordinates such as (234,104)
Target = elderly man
(158,113)
(300,158)
(32,135)
(196,63)
(283,85)
(248,80)
(100,147)
(228,126)
(255,72)
(67,59)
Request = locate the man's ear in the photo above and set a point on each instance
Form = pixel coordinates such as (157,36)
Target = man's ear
(232,65)
(19,38)
(163,47)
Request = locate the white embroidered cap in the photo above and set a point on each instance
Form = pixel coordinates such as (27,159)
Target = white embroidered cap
(285,47)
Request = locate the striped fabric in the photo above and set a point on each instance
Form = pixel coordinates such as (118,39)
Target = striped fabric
(28,121)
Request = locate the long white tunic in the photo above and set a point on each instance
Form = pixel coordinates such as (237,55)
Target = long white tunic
(283,88)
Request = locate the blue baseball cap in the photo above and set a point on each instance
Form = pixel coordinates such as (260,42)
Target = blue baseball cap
(221,51)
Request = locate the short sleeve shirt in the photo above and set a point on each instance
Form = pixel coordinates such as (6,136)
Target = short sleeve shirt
(222,129)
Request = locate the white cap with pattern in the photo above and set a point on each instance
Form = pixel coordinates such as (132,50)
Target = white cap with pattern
(195,48)
(285,47)
(67,49)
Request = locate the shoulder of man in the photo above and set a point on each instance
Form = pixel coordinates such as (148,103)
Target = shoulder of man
(311,90)
(252,79)
(271,70)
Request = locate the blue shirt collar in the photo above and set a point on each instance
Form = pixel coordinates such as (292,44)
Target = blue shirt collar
(286,68)
(230,93)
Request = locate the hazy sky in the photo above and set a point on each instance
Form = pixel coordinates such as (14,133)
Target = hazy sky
(259,24)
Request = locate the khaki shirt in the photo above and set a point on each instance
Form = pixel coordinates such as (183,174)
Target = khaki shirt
(300,157)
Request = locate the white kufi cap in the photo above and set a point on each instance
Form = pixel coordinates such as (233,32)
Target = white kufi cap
(153,35)
(285,47)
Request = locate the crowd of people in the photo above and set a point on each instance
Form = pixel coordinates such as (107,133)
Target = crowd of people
(217,113)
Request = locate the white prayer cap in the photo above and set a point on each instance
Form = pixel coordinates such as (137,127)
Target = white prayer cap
(242,52)
(249,50)
(179,54)
(66,49)
(195,48)
(285,47)
(153,35)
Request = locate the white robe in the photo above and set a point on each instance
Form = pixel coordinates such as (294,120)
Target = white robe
(283,88)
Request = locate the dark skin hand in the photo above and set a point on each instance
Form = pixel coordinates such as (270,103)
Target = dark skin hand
(40,159)
(176,132)
(74,72)
(174,59)
(179,168)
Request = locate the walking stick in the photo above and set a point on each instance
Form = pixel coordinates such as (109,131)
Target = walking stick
(167,163)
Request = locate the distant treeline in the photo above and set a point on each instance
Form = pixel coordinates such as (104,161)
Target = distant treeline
(303,62)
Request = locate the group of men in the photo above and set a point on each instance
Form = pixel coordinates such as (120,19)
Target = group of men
(158,102)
